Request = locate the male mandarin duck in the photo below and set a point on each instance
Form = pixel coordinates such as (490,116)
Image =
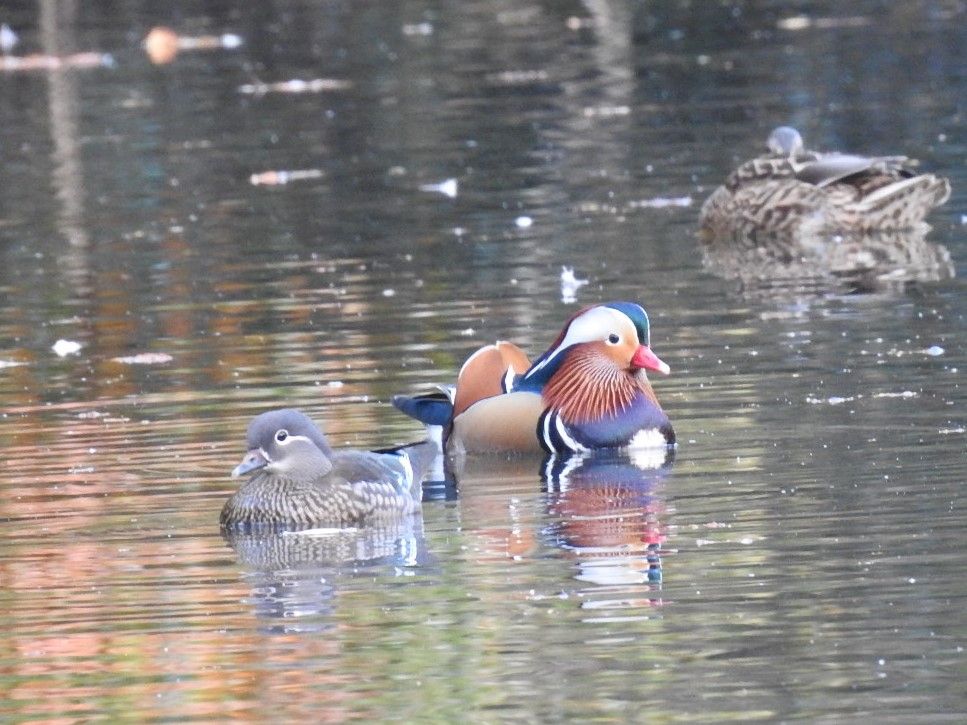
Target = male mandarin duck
(793,191)
(588,391)
(298,480)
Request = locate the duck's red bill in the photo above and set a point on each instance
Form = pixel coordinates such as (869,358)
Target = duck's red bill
(645,358)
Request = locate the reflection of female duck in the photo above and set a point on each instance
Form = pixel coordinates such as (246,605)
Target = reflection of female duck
(295,575)
(397,543)
(792,191)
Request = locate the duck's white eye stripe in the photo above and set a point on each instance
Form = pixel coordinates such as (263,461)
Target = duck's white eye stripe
(289,438)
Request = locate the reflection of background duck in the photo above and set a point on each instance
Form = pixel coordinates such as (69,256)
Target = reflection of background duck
(854,263)
(796,217)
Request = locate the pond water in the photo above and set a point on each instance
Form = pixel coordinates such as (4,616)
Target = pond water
(801,557)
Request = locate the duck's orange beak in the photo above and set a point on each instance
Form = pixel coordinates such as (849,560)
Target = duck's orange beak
(645,358)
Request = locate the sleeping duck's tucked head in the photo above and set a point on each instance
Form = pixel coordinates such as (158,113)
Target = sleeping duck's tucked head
(785,141)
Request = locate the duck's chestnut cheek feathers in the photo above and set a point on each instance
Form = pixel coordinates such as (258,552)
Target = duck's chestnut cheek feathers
(645,358)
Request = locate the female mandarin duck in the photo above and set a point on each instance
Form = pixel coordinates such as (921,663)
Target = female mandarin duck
(298,480)
(588,391)
(793,191)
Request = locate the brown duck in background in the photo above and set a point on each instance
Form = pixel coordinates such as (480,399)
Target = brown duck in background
(792,191)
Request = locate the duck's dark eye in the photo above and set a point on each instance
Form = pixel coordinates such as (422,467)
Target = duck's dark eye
(281,435)
(614,339)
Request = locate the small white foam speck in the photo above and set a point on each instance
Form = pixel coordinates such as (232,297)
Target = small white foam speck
(570,284)
(448,188)
(903,394)
(144,358)
(63,348)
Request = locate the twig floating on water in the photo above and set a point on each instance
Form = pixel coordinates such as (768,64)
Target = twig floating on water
(163,44)
(296,85)
(276,178)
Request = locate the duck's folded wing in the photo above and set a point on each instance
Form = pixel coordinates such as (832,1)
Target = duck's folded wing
(830,168)
(394,470)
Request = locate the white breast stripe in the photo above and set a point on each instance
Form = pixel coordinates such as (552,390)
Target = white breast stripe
(566,437)
(546,432)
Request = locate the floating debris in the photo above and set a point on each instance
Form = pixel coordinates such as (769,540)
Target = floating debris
(606,111)
(804,22)
(14,63)
(447,187)
(62,348)
(832,400)
(90,415)
(934,351)
(8,39)
(418,29)
(276,178)
(570,285)
(162,44)
(661,202)
(10,364)
(296,85)
(524,222)
(904,394)
(517,77)
(144,358)
(575,23)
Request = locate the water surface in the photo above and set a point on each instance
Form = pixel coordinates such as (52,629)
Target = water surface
(800,557)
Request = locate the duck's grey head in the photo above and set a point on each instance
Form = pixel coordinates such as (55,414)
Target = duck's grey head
(285,443)
(785,141)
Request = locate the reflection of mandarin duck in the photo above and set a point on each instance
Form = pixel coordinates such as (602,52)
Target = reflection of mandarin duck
(609,512)
(794,191)
(588,391)
(299,480)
